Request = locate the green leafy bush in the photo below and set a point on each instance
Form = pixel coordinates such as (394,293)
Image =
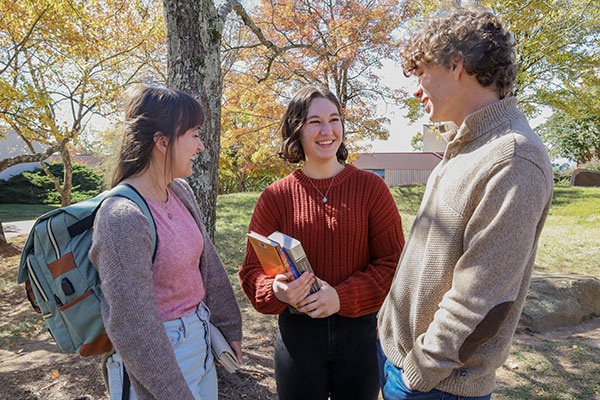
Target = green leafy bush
(35,187)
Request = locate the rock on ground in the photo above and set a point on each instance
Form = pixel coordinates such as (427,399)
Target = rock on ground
(558,300)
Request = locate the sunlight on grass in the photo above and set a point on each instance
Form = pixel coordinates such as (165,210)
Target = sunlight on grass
(570,240)
(569,243)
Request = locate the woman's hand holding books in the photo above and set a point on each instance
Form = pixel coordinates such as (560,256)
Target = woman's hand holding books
(292,291)
(321,304)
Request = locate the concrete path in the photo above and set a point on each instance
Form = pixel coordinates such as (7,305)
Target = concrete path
(17,228)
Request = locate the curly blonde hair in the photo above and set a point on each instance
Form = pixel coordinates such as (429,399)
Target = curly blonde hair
(472,34)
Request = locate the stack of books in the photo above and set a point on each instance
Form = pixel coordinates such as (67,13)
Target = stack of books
(279,253)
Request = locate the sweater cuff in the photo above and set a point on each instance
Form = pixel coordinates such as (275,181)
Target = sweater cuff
(346,307)
(413,376)
(266,302)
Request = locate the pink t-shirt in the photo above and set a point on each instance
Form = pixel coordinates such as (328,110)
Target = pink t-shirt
(178,284)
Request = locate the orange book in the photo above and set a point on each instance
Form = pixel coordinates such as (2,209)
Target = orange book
(269,253)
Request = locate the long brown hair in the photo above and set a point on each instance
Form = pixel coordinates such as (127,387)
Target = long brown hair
(294,118)
(152,109)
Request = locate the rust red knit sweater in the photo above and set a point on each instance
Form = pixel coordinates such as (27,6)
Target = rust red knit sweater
(353,241)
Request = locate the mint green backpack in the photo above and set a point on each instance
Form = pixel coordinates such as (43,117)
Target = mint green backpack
(65,284)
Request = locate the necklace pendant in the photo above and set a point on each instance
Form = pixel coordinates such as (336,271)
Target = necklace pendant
(324,199)
(170,215)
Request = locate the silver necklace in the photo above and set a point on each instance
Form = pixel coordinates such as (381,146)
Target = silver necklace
(326,193)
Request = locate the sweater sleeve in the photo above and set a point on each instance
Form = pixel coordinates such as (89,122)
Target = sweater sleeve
(220,298)
(257,285)
(122,252)
(498,242)
(365,290)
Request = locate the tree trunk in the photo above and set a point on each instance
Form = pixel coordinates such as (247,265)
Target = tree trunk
(194,66)
(2,236)
(67,176)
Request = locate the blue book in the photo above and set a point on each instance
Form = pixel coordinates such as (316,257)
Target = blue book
(295,256)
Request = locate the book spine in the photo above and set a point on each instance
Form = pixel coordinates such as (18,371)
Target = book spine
(304,265)
(289,263)
(301,265)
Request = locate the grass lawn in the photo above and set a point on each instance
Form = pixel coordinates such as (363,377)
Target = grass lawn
(570,240)
(24,212)
(538,367)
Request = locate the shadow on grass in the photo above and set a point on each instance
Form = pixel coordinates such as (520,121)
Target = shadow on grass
(565,195)
(243,385)
(552,370)
(24,212)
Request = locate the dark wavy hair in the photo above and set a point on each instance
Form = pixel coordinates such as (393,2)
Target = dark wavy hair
(152,109)
(294,119)
(473,34)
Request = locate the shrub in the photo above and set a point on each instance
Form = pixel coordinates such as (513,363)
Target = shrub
(35,187)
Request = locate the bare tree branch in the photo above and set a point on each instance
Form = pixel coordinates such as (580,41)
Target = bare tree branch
(24,158)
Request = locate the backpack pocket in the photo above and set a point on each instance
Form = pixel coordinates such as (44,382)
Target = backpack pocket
(83,319)
(48,306)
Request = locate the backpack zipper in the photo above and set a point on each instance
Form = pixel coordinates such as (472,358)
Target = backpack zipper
(52,239)
(35,281)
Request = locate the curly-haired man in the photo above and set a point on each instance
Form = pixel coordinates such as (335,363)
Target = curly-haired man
(449,318)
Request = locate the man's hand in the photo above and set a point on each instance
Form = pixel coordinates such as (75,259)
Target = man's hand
(290,290)
(321,304)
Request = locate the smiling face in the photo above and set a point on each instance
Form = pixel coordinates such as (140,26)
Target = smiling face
(184,151)
(437,91)
(322,132)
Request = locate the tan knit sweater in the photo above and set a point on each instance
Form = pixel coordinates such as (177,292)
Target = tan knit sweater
(462,279)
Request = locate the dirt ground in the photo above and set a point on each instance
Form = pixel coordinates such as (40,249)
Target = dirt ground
(33,367)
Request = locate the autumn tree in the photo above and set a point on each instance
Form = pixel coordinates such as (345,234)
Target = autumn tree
(337,44)
(416,142)
(64,62)
(194,33)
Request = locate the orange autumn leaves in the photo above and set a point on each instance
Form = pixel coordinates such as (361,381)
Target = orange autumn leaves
(339,44)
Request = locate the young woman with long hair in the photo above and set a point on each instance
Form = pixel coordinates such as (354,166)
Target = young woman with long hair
(156,314)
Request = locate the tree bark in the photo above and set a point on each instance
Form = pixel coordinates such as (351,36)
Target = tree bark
(67,176)
(2,236)
(24,158)
(194,66)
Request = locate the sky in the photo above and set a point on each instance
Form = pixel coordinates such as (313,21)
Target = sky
(400,129)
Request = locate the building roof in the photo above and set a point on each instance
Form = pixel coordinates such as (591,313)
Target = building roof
(406,161)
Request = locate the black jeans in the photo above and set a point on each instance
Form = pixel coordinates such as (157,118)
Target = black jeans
(334,356)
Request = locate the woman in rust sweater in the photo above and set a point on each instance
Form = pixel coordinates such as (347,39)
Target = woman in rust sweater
(351,232)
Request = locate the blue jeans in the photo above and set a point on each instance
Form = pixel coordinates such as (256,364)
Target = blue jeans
(326,358)
(191,344)
(393,388)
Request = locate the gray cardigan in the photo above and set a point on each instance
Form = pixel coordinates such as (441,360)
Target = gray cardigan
(122,251)
(462,279)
